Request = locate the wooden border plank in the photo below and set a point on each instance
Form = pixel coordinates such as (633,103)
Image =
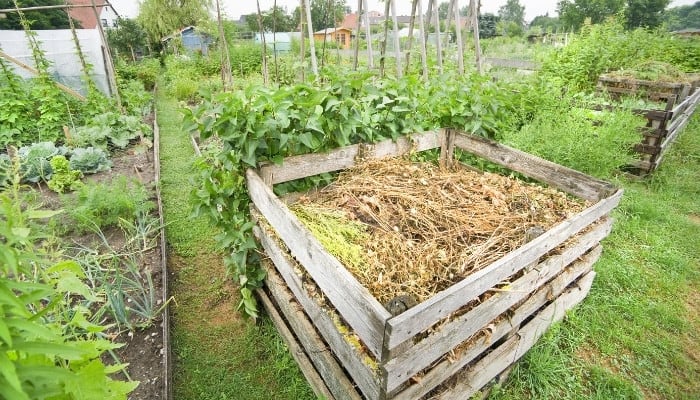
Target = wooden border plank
(306,165)
(350,359)
(307,368)
(352,300)
(566,179)
(422,354)
(417,319)
(514,348)
(446,368)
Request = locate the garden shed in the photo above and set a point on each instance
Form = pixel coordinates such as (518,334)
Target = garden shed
(193,40)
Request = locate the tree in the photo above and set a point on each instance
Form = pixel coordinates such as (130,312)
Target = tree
(683,17)
(645,13)
(487,25)
(160,18)
(573,13)
(127,38)
(41,19)
(546,23)
(512,15)
(442,10)
(325,13)
(273,20)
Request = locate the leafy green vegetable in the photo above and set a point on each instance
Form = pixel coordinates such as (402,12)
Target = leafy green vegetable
(63,177)
(34,160)
(90,160)
(89,136)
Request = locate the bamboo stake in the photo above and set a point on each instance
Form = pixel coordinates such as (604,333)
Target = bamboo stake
(429,18)
(264,46)
(410,33)
(423,50)
(382,57)
(368,36)
(357,35)
(458,31)
(477,45)
(109,63)
(35,71)
(397,42)
(438,41)
(274,40)
(303,41)
(312,45)
(226,75)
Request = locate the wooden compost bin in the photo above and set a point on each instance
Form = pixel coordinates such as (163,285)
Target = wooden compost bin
(652,90)
(483,341)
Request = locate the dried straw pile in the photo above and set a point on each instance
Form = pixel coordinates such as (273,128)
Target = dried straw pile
(408,229)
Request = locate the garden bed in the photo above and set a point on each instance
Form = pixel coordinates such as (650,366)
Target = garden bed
(478,325)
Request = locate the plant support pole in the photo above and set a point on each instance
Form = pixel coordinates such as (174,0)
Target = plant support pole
(458,31)
(382,57)
(397,43)
(357,35)
(423,50)
(368,34)
(266,78)
(438,41)
(411,25)
(475,26)
(111,75)
(312,46)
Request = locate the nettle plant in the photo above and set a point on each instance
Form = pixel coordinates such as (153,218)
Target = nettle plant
(259,124)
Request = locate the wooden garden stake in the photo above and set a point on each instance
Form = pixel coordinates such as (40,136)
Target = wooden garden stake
(109,63)
(458,31)
(368,34)
(264,45)
(438,41)
(382,57)
(397,43)
(274,40)
(423,51)
(312,45)
(410,33)
(357,35)
(226,76)
(475,25)
(302,45)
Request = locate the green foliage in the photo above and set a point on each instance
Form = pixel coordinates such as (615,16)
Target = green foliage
(682,17)
(89,160)
(260,124)
(160,18)
(645,13)
(487,25)
(512,18)
(41,19)
(245,58)
(100,205)
(146,70)
(325,13)
(546,23)
(47,348)
(127,38)
(574,13)
(607,47)
(273,20)
(93,136)
(63,178)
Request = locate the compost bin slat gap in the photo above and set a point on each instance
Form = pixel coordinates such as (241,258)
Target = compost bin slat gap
(352,300)
(421,317)
(306,165)
(348,355)
(312,375)
(566,179)
(447,368)
(422,354)
(510,351)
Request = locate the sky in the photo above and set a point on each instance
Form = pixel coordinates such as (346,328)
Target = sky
(234,8)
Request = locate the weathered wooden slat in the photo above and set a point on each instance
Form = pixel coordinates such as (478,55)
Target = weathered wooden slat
(302,166)
(324,363)
(689,101)
(402,327)
(682,122)
(563,178)
(446,368)
(352,300)
(312,376)
(646,148)
(422,354)
(642,83)
(363,377)
(514,348)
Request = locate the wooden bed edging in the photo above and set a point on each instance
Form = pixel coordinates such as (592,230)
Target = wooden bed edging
(349,357)
(422,354)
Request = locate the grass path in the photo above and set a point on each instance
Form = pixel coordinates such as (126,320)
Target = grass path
(637,335)
(217,355)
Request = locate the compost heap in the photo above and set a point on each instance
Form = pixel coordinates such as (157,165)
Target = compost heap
(407,229)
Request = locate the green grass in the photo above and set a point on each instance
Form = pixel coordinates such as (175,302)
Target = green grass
(637,334)
(217,355)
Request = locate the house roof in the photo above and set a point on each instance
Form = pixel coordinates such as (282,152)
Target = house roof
(84,15)
(350,21)
(328,31)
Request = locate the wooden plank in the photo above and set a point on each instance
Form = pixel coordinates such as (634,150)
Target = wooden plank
(446,368)
(351,360)
(352,300)
(421,355)
(417,319)
(677,86)
(513,349)
(566,179)
(302,166)
(672,136)
(647,148)
(312,376)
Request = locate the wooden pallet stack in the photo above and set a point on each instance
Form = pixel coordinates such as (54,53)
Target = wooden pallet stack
(356,349)
(663,124)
